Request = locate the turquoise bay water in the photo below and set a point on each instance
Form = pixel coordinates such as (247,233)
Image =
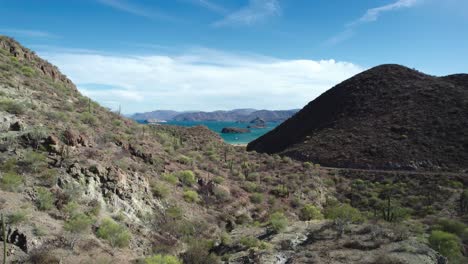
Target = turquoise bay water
(229,138)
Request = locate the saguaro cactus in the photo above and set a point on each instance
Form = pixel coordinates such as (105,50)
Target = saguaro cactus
(4,240)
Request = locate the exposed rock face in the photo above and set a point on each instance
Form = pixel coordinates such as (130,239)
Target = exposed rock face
(317,242)
(234,130)
(389,117)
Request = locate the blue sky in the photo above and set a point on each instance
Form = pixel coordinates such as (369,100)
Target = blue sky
(213,54)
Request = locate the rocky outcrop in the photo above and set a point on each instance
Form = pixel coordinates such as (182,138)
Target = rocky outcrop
(318,242)
(234,130)
(21,53)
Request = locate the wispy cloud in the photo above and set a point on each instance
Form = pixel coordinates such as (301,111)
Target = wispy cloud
(200,78)
(28,33)
(137,10)
(256,11)
(209,5)
(371,15)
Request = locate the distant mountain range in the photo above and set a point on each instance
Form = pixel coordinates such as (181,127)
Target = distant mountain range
(236,115)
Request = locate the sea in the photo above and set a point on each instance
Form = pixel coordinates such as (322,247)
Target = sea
(217,126)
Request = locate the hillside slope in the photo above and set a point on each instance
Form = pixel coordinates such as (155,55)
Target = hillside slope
(80,184)
(389,117)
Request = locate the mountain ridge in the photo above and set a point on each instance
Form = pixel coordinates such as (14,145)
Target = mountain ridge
(235,115)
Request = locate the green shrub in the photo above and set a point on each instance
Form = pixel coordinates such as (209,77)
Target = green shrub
(170,178)
(218,179)
(187,177)
(191,196)
(162,259)
(71,209)
(343,214)
(159,189)
(184,160)
(221,194)
(45,199)
(446,244)
(451,226)
(88,118)
(278,222)
(17,217)
(256,198)
(280,191)
(310,212)
(28,71)
(11,181)
(79,223)
(250,187)
(116,234)
(12,106)
(33,161)
(249,241)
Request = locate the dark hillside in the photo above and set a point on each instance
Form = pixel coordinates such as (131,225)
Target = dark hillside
(389,117)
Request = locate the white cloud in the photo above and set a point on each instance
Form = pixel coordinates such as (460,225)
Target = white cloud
(27,33)
(256,11)
(374,13)
(200,79)
(131,8)
(371,15)
(209,5)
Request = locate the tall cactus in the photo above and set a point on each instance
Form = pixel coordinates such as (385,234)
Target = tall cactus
(4,240)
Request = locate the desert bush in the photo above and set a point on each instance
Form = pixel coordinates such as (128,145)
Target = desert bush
(36,135)
(256,198)
(249,241)
(28,71)
(78,223)
(116,234)
(250,187)
(447,244)
(278,222)
(218,179)
(48,177)
(191,196)
(159,189)
(342,215)
(451,226)
(45,199)
(162,259)
(198,252)
(33,161)
(71,209)
(187,177)
(88,118)
(17,217)
(280,191)
(170,178)
(221,194)
(185,160)
(11,181)
(310,212)
(12,106)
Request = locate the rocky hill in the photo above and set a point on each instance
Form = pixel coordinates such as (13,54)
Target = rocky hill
(80,184)
(389,117)
(236,115)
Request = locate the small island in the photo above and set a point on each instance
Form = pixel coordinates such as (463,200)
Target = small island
(234,130)
(257,123)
